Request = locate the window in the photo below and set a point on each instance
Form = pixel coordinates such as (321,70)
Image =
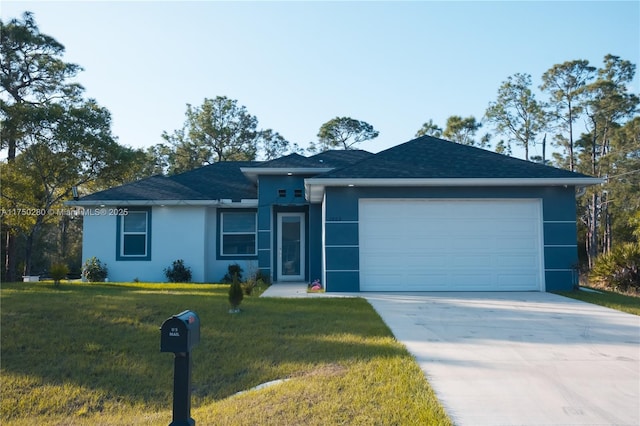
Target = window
(134,235)
(282,193)
(297,193)
(238,233)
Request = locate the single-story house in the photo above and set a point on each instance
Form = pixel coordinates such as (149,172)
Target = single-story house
(426,215)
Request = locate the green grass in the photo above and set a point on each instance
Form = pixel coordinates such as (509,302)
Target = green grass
(88,354)
(610,299)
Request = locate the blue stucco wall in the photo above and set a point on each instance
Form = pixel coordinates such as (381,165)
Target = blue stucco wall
(341,228)
(315,242)
(270,202)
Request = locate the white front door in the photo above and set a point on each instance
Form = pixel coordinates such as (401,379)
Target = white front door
(291,254)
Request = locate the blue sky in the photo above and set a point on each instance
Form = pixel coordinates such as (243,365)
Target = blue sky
(295,65)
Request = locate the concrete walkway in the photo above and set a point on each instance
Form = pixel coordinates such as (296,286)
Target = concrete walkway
(515,358)
(296,290)
(286,290)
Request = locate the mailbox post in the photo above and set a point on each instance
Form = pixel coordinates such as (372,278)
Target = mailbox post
(179,334)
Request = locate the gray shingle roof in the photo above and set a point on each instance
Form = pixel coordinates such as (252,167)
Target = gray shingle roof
(340,158)
(291,160)
(424,157)
(327,159)
(222,180)
(429,157)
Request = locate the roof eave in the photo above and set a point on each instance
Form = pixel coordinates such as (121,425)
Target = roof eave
(204,203)
(252,173)
(315,186)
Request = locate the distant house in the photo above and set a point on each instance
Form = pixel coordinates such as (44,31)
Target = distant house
(426,215)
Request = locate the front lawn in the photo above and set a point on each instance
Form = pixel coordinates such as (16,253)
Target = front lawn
(88,354)
(610,299)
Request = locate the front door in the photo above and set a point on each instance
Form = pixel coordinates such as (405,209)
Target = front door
(291,245)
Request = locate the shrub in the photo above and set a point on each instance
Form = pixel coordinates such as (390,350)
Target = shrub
(94,270)
(257,279)
(619,269)
(235,294)
(248,286)
(178,273)
(58,271)
(262,278)
(233,271)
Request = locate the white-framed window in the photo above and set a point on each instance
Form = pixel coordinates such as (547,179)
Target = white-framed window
(238,233)
(134,235)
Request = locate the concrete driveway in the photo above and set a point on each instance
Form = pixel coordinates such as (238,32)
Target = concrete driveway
(521,358)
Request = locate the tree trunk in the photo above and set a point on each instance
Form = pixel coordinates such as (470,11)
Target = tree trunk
(10,257)
(10,243)
(28,252)
(592,230)
(571,162)
(608,235)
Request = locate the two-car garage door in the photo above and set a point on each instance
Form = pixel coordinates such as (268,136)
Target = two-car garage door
(450,245)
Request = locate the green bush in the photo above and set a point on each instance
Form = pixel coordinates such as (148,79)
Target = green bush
(94,270)
(178,273)
(58,272)
(619,269)
(233,271)
(235,294)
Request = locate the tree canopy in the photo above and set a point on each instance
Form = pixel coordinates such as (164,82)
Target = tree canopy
(55,139)
(429,129)
(516,113)
(343,133)
(463,131)
(218,130)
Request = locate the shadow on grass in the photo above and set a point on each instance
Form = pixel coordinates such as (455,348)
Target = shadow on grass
(106,338)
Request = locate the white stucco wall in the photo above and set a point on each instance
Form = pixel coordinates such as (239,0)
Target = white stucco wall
(176,233)
(99,239)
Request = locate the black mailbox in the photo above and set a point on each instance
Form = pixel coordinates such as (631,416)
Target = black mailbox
(180,333)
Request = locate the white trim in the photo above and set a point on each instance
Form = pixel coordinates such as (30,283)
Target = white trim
(342,221)
(249,203)
(221,252)
(253,172)
(124,233)
(453,181)
(315,186)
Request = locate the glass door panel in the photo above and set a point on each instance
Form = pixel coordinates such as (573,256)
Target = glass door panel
(291,246)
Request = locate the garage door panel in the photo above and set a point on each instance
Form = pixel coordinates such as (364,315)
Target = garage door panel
(515,261)
(519,281)
(438,245)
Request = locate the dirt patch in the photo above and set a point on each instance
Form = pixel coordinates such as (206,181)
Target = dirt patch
(324,370)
